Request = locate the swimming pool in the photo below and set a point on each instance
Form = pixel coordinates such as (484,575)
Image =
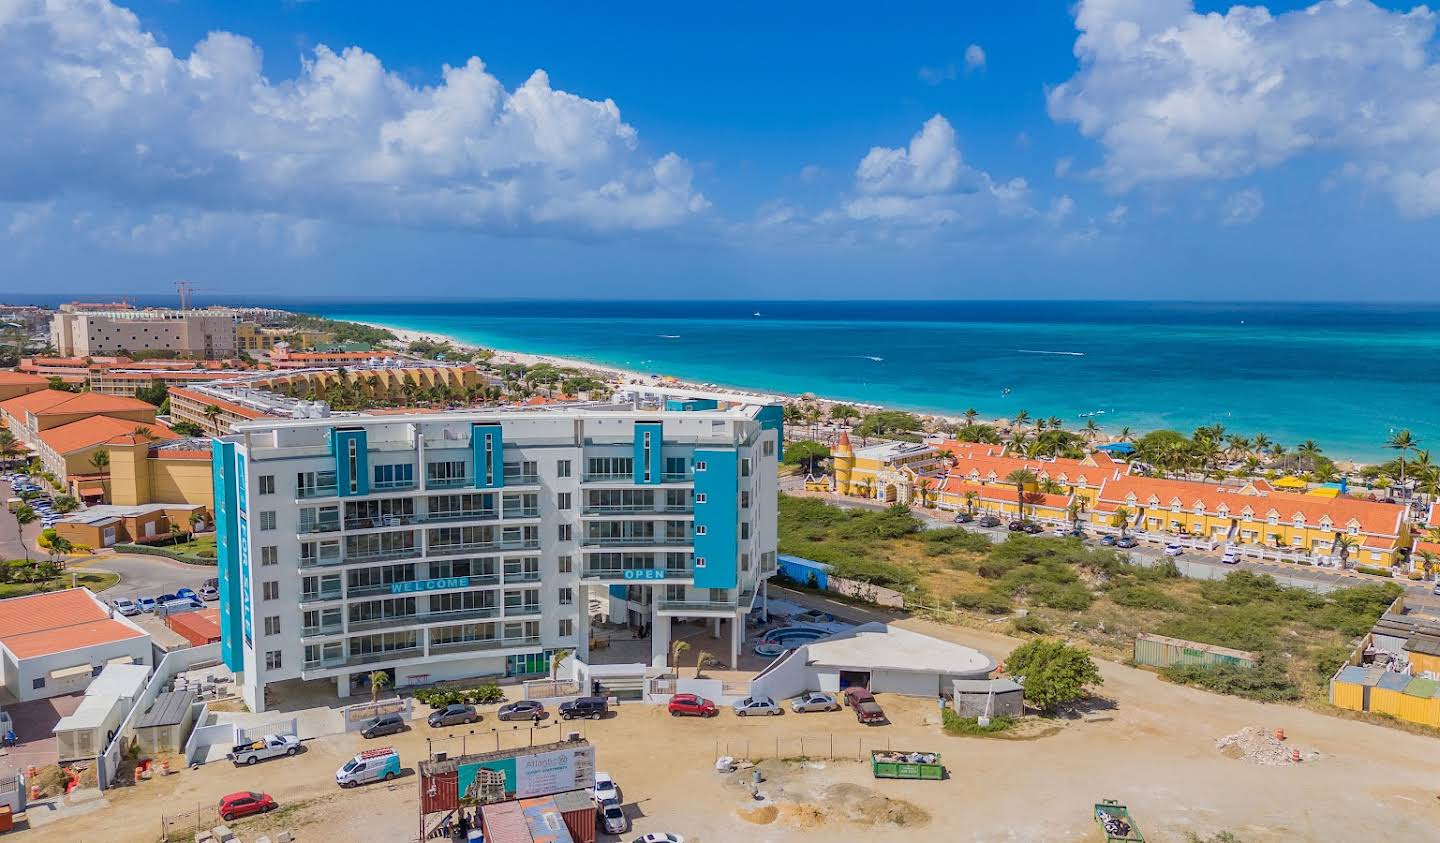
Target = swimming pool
(777,641)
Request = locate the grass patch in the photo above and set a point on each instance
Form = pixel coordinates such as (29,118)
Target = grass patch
(957,725)
(94,580)
(201,546)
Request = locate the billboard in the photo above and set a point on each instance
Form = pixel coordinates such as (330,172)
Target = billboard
(523,776)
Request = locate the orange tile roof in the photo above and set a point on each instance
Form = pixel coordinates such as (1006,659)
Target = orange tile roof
(40,624)
(1373,517)
(996,466)
(94,402)
(35,402)
(1379,542)
(1434,519)
(99,430)
(12,376)
(955,485)
(1428,547)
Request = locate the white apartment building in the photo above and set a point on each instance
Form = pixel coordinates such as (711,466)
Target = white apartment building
(458,545)
(205,334)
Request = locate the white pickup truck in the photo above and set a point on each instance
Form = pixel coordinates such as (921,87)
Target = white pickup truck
(267,747)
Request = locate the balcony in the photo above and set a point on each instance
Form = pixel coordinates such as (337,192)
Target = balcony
(626,477)
(322,629)
(319,596)
(521,479)
(387,656)
(310,527)
(523,610)
(480,613)
(522,512)
(483,547)
(512,577)
(677,477)
(392,486)
(380,522)
(307,492)
(632,510)
(321,561)
(637,541)
(385,588)
(459,515)
(483,644)
(383,554)
(448,483)
(709,606)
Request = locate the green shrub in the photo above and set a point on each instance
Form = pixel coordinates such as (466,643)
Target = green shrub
(1354,610)
(958,538)
(957,725)
(1055,673)
(1267,681)
(991,602)
(1374,571)
(1030,624)
(1142,597)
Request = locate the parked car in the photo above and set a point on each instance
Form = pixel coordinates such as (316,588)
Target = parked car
(245,803)
(165,598)
(867,710)
(385,724)
(964,518)
(1108,541)
(751,706)
(1032,528)
(454,714)
(1230,557)
(1016,526)
(186,593)
(1173,549)
(520,710)
(209,593)
(605,788)
(146,604)
(1436,590)
(988,521)
(126,607)
(270,746)
(691,705)
(814,702)
(1127,542)
(369,766)
(1061,531)
(612,818)
(591,707)
(659,837)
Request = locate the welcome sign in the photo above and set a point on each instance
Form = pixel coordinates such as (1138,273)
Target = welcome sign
(441,584)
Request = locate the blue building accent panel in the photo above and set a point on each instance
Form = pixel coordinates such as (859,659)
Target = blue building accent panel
(772,417)
(352,461)
(487,444)
(717,530)
(649,453)
(227,558)
(618,592)
(691,405)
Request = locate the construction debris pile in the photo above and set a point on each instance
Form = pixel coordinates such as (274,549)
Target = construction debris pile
(1258,746)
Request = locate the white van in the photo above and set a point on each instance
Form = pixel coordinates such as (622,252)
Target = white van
(369,766)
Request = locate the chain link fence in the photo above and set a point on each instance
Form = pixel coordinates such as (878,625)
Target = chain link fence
(825,747)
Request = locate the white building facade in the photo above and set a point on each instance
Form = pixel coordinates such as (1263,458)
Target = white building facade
(459,545)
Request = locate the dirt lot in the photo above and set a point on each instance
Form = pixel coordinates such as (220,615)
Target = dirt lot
(1157,753)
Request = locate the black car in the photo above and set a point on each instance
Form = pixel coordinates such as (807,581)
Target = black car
(454,714)
(1032,528)
(988,521)
(591,707)
(521,710)
(385,724)
(1016,526)
(964,518)
(1127,541)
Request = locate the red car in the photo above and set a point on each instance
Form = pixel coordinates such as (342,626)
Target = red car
(243,804)
(682,704)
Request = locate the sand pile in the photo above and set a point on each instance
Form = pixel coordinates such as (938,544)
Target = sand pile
(861,805)
(1259,746)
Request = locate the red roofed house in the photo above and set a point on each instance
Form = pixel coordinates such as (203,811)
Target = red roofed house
(55,643)
(15,384)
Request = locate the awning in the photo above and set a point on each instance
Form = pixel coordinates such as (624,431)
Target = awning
(1290,483)
(122,660)
(91,491)
(66,672)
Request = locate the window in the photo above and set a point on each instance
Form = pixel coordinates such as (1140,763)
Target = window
(354,460)
(562,501)
(562,468)
(645,454)
(272,660)
(566,596)
(767,448)
(446,472)
(744,499)
(674,593)
(270,590)
(701,529)
(567,627)
(272,625)
(744,530)
(398,476)
(699,562)
(566,564)
(745,467)
(701,497)
(744,561)
(566,532)
(38,683)
(269,555)
(675,466)
(267,484)
(267,520)
(700,465)
(610,466)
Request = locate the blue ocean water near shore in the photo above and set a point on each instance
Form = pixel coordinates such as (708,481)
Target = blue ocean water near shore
(1346,375)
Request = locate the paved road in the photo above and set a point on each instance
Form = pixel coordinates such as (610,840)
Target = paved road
(10,544)
(1193,563)
(148,576)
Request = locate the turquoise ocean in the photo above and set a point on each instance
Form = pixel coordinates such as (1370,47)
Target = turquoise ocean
(1345,375)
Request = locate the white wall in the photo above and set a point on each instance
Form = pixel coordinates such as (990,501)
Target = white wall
(443,671)
(905,682)
(787,678)
(22,682)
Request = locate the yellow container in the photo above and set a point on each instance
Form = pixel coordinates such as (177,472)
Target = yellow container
(1348,696)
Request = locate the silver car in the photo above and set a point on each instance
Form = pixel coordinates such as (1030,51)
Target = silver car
(814,702)
(756,705)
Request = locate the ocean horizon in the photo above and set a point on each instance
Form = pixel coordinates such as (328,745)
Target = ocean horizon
(1346,375)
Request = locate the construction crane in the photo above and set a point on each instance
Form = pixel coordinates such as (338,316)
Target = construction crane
(185,289)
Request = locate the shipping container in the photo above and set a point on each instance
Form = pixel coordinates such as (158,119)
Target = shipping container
(1159,651)
(579,811)
(1347,695)
(439,791)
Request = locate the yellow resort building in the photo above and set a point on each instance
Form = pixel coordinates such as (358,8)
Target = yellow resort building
(1256,515)
(888,472)
(990,465)
(958,493)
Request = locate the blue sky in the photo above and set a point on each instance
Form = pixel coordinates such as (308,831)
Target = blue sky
(1104,148)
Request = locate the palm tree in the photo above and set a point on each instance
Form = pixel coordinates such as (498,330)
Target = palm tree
(700,659)
(1427,563)
(923,487)
(970,416)
(970,499)
(1021,418)
(677,649)
(1021,477)
(812,417)
(1122,519)
(1342,546)
(1261,444)
(100,461)
(1056,423)
(379,679)
(1075,510)
(555,661)
(1091,430)
(211,413)
(1126,435)
(843,413)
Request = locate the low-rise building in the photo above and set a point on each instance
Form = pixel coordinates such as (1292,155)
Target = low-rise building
(259,338)
(16,384)
(56,643)
(880,657)
(28,415)
(108,524)
(962,495)
(83,734)
(70,450)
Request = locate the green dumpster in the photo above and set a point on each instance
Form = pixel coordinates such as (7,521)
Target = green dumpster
(890,764)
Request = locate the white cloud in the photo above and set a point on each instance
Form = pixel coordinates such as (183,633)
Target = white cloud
(1171,94)
(937,75)
(931,164)
(974,57)
(94,105)
(1242,207)
(1118,215)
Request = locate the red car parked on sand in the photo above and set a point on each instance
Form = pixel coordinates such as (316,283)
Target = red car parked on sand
(243,804)
(690,704)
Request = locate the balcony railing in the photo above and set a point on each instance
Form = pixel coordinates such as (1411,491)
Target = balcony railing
(305,492)
(448,483)
(388,655)
(521,576)
(379,521)
(470,582)
(460,515)
(676,477)
(610,477)
(483,547)
(322,629)
(384,553)
(484,644)
(523,610)
(317,596)
(480,613)
(327,526)
(522,512)
(636,541)
(392,485)
(521,479)
(696,606)
(630,509)
(321,561)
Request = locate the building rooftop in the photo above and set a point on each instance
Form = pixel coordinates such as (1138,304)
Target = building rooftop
(104,513)
(888,647)
(895,450)
(59,621)
(99,430)
(9,376)
(986,686)
(168,709)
